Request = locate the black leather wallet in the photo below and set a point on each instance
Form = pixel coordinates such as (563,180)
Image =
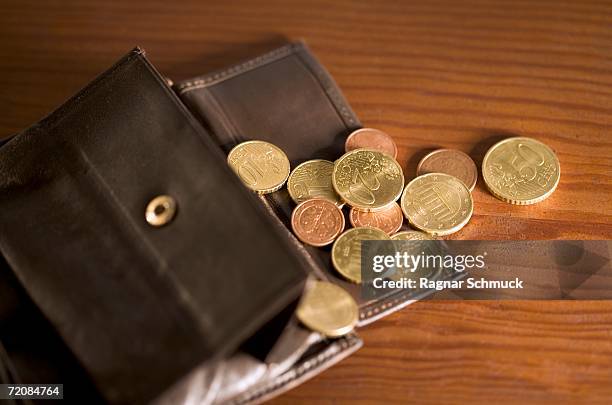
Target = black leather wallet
(202,307)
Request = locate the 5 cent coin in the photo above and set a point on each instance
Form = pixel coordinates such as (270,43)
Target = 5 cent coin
(450,161)
(370,138)
(317,221)
(389,219)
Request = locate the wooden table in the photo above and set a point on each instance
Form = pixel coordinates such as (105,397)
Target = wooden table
(437,73)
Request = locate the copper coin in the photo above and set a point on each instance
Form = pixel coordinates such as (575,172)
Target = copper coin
(317,222)
(389,220)
(369,138)
(450,161)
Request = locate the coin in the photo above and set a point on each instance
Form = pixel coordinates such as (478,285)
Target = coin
(450,161)
(437,203)
(312,179)
(346,251)
(412,235)
(328,309)
(317,222)
(367,180)
(521,170)
(370,138)
(422,245)
(389,220)
(261,166)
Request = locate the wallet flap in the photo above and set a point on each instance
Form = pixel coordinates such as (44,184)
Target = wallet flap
(138,305)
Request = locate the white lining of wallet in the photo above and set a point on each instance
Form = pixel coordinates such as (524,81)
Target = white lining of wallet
(334,353)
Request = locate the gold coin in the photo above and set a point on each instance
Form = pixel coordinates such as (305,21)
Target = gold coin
(313,179)
(412,235)
(425,246)
(346,251)
(367,179)
(521,171)
(437,203)
(261,166)
(328,309)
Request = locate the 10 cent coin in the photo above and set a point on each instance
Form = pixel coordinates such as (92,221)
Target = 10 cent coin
(328,309)
(312,179)
(261,166)
(346,251)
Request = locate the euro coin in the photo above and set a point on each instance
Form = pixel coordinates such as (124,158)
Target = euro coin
(312,179)
(437,203)
(422,245)
(367,179)
(261,166)
(328,309)
(346,251)
(521,171)
(450,161)
(389,220)
(370,138)
(412,235)
(317,222)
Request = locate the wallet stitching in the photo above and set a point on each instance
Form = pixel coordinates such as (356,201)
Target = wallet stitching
(213,78)
(305,367)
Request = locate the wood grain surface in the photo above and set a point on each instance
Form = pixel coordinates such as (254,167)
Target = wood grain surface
(440,73)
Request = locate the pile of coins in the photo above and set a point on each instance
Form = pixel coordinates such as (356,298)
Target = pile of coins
(369,180)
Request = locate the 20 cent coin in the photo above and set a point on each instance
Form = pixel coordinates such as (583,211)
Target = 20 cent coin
(367,179)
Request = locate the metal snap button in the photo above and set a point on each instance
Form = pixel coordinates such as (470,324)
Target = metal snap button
(160,210)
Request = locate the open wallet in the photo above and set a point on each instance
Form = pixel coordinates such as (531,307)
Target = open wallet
(200,310)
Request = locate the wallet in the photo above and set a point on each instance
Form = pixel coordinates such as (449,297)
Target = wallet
(201,309)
